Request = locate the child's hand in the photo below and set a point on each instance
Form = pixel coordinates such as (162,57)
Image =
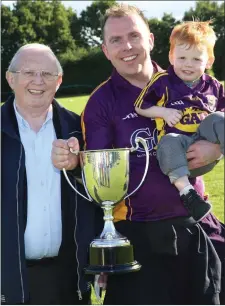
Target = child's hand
(172,116)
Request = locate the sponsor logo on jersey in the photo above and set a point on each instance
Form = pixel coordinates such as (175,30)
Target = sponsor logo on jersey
(191,119)
(180,102)
(146,134)
(130,116)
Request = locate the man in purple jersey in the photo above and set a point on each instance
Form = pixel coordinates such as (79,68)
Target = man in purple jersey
(179,263)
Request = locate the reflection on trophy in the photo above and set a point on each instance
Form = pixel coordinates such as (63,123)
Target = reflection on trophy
(105,175)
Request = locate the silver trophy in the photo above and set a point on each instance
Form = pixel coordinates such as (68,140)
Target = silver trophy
(105,176)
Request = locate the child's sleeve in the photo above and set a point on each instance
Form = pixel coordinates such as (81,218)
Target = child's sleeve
(221,99)
(150,95)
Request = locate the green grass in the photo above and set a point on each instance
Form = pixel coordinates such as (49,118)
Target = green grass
(214,181)
(75,104)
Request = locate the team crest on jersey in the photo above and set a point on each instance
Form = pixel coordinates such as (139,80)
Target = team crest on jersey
(212,102)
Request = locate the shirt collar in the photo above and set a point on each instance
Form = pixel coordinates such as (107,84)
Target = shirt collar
(24,124)
(196,82)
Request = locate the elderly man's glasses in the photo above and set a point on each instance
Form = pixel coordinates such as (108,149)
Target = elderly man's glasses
(31,74)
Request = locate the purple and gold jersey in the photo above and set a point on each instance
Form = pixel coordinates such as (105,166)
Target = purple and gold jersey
(110,121)
(167,90)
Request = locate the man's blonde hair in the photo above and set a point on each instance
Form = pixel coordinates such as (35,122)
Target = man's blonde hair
(121,10)
(194,33)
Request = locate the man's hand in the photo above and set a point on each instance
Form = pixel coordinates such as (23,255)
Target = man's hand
(172,116)
(202,153)
(61,154)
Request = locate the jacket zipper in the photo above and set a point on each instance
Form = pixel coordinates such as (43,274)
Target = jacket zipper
(18,227)
(75,240)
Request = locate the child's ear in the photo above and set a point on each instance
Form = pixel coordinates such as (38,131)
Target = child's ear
(171,58)
(209,63)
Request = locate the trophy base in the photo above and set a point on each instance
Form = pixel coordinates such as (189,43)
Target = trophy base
(118,269)
(112,260)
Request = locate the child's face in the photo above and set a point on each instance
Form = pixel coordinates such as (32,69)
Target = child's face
(190,62)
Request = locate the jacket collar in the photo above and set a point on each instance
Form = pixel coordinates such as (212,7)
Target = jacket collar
(10,125)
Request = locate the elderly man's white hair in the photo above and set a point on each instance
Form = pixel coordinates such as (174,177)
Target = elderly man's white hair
(13,63)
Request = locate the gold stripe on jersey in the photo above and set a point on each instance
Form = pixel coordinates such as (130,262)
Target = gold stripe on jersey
(155,77)
(136,103)
(83,129)
(144,90)
(82,115)
(160,122)
(120,212)
(131,209)
(99,86)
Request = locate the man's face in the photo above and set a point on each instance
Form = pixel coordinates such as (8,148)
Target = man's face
(190,62)
(127,44)
(34,92)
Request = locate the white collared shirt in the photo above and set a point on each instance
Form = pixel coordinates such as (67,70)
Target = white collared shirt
(43,234)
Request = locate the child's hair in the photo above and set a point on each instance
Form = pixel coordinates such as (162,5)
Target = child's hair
(195,33)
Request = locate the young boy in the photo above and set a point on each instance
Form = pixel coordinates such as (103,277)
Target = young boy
(187,105)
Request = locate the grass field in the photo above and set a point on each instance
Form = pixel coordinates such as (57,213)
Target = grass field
(75,104)
(214,181)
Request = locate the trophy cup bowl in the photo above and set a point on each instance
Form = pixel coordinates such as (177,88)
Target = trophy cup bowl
(105,175)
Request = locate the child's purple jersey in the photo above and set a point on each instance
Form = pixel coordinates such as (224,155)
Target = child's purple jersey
(168,90)
(110,121)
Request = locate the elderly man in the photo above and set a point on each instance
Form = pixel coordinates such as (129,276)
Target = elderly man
(46,227)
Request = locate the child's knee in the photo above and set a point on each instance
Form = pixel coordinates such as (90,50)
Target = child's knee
(169,141)
(167,144)
(213,118)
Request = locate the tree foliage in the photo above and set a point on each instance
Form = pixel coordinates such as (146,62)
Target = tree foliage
(162,30)
(44,22)
(90,21)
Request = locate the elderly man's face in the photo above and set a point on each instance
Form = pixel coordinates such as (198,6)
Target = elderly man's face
(32,90)
(127,44)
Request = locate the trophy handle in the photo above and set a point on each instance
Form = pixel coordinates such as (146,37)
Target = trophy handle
(71,185)
(144,143)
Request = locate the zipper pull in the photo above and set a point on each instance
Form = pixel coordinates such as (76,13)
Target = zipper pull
(79,294)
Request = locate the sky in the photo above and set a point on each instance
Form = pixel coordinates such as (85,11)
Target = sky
(151,9)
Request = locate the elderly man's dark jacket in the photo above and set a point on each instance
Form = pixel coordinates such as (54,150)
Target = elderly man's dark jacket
(14,284)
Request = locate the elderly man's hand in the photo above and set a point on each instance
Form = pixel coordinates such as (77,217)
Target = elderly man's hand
(61,154)
(202,153)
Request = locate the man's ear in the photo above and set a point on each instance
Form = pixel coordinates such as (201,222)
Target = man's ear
(10,79)
(210,63)
(59,81)
(104,49)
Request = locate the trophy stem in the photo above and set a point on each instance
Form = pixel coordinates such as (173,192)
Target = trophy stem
(109,232)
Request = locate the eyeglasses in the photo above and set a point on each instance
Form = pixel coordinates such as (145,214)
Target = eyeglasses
(31,74)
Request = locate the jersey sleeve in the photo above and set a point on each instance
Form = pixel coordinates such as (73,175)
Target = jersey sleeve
(96,123)
(221,99)
(152,93)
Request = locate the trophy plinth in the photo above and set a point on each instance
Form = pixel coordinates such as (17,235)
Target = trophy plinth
(105,175)
(111,252)
(112,260)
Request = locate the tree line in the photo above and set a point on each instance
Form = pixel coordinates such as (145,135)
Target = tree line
(76,39)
